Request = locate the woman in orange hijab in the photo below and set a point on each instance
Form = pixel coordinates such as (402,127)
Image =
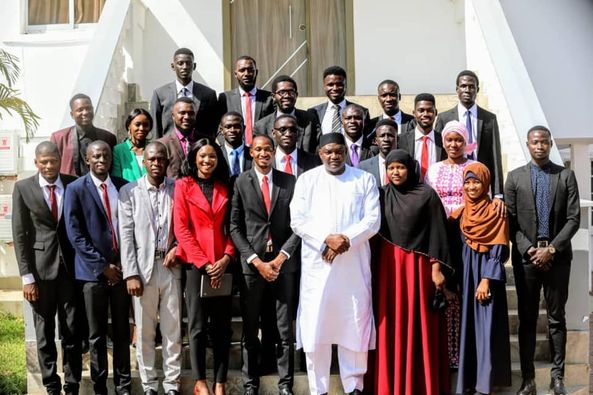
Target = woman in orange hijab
(484,356)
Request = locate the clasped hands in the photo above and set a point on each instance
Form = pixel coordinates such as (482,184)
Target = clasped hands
(216,271)
(540,257)
(270,270)
(335,244)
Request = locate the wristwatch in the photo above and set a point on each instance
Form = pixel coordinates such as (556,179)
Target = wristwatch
(551,249)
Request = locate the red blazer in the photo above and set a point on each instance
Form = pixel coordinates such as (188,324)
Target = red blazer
(200,230)
(63,138)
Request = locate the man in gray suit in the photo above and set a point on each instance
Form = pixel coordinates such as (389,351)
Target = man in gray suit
(153,278)
(385,140)
(204,98)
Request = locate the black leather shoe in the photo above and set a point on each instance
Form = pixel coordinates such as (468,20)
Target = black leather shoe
(557,386)
(356,392)
(250,391)
(285,391)
(150,392)
(527,387)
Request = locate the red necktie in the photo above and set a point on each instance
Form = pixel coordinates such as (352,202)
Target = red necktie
(424,160)
(53,203)
(265,190)
(288,166)
(108,210)
(248,120)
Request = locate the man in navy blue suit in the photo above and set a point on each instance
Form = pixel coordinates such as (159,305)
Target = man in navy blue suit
(90,210)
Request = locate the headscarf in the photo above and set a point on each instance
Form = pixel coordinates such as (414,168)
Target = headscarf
(413,217)
(459,128)
(480,223)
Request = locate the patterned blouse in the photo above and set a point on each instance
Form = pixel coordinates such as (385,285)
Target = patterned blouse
(447,180)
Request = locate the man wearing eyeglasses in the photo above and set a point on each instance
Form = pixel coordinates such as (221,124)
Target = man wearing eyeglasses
(285,94)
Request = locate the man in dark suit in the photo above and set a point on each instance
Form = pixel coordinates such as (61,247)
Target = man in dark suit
(73,140)
(386,141)
(329,113)
(481,125)
(46,265)
(179,140)
(252,103)
(423,142)
(260,228)
(544,214)
(389,96)
(90,210)
(358,147)
(202,97)
(288,157)
(231,141)
(285,93)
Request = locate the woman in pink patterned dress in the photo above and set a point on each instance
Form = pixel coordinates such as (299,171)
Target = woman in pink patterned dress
(446,178)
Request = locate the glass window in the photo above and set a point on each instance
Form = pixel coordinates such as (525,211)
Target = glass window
(63,12)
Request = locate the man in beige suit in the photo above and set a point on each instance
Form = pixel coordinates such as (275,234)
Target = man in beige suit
(152,276)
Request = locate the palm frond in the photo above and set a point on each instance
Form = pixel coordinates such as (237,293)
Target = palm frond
(14,105)
(9,67)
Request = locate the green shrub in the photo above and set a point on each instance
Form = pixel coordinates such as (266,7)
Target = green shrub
(13,372)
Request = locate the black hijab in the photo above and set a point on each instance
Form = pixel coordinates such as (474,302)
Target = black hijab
(413,217)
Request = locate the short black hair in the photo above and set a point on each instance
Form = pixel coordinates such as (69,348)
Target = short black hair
(386,122)
(79,96)
(184,99)
(284,116)
(231,114)
(334,70)
(160,146)
(467,73)
(134,113)
(184,51)
(390,82)
(97,143)
(190,169)
(425,97)
(540,128)
(266,136)
(47,147)
(283,78)
(246,57)
(355,106)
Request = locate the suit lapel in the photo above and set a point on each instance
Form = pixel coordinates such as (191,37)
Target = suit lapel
(219,197)
(554,177)
(93,191)
(37,194)
(257,190)
(196,100)
(480,126)
(236,101)
(526,180)
(143,184)
(258,105)
(197,196)
(170,188)
(74,145)
(275,190)
(300,162)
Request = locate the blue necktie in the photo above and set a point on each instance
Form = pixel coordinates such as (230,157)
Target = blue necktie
(470,131)
(236,165)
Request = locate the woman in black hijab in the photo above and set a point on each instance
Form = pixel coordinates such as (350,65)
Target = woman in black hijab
(411,345)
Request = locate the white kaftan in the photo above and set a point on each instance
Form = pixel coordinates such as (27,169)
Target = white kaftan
(335,305)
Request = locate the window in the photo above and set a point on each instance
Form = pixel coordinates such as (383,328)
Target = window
(50,14)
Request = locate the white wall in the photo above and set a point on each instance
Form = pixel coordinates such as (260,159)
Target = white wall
(420,44)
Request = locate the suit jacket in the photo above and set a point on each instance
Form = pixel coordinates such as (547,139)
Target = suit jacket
(137,232)
(522,211)
(307,124)
(231,101)
(407,141)
(39,240)
(125,164)
(488,139)
(88,228)
(67,141)
(161,107)
(372,166)
(201,228)
(247,159)
(319,112)
(305,161)
(175,152)
(364,152)
(408,123)
(251,225)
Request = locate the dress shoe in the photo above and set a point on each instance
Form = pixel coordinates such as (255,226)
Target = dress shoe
(527,387)
(356,392)
(172,392)
(150,392)
(285,391)
(557,386)
(250,391)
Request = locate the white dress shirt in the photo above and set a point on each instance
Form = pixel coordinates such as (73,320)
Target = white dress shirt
(473,111)
(112,194)
(231,155)
(326,124)
(252,94)
(281,160)
(432,157)
(349,145)
(189,87)
(160,209)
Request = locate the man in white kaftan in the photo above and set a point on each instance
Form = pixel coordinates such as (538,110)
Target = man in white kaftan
(335,210)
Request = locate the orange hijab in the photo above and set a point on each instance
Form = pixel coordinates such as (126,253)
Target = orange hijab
(480,223)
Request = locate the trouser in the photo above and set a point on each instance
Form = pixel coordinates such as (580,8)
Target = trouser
(529,281)
(199,310)
(99,298)
(353,366)
(160,302)
(59,296)
(254,290)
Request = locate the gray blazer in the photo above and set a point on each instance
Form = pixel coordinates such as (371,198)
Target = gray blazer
(137,237)
(372,166)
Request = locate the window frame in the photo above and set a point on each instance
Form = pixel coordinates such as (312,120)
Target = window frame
(42,28)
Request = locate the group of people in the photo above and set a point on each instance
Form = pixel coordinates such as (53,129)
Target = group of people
(385,237)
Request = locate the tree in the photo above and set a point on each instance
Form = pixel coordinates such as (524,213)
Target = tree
(10,102)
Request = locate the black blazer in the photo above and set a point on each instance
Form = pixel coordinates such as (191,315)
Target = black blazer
(231,101)
(204,98)
(305,161)
(407,142)
(320,109)
(39,241)
(247,159)
(251,225)
(408,123)
(565,214)
(308,125)
(488,135)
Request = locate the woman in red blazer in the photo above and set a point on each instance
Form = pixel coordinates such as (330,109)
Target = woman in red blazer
(201,228)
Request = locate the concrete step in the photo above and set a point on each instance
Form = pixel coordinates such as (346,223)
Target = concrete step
(542,350)
(11,301)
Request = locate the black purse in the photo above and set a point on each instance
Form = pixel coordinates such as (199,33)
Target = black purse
(439,301)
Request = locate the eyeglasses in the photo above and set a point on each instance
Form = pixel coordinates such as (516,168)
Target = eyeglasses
(286,130)
(286,92)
